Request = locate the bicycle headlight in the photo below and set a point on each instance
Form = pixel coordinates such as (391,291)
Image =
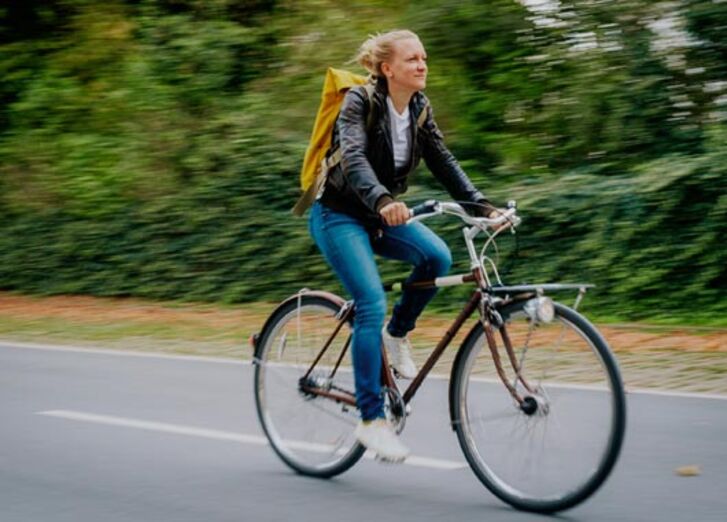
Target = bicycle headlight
(540,309)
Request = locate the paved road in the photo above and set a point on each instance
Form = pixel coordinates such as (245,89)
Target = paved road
(99,436)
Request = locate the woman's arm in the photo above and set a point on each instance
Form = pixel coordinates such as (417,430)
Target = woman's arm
(353,142)
(447,170)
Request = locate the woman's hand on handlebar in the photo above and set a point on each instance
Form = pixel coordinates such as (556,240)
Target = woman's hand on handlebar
(394,213)
(495,213)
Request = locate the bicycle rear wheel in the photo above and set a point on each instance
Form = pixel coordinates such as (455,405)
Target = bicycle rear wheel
(311,434)
(556,456)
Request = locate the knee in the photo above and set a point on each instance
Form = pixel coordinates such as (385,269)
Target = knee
(440,260)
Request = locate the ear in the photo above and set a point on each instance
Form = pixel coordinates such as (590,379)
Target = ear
(386,69)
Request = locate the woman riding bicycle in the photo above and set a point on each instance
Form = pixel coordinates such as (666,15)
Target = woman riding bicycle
(358,216)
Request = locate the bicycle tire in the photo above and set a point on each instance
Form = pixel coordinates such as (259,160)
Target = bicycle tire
(312,434)
(579,388)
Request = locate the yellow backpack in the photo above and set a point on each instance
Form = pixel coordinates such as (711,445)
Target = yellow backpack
(315,164)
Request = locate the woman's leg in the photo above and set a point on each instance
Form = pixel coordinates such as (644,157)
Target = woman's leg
(346,246)
(418,245)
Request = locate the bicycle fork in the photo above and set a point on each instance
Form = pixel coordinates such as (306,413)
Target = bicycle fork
(491,320)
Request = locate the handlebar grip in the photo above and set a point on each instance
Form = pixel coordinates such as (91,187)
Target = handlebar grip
(427,207)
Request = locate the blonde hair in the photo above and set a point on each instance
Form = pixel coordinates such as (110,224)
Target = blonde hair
(379,48)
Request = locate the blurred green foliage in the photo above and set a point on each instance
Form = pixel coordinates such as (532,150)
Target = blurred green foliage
(152,148)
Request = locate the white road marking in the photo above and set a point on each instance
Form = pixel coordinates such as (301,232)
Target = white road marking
(414,460)
(227,360)
(122,353)
(155,426)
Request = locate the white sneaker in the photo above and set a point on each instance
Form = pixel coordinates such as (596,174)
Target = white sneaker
(399,349)
(378,436)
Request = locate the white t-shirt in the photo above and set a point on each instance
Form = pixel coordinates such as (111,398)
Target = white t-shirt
(400,137)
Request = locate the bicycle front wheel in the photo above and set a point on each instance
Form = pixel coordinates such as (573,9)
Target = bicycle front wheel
(311,433)
(556,452)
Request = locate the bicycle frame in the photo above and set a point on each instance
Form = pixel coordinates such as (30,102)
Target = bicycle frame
(487,298)
(480,299)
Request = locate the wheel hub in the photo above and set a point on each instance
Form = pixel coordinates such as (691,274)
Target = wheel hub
(534,405)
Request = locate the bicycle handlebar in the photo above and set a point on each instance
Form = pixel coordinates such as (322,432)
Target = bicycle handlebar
(428,207)
(434,208)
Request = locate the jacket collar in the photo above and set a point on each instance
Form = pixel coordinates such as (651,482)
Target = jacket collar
(416,105)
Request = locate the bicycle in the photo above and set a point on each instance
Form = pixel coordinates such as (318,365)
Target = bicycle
(543,438)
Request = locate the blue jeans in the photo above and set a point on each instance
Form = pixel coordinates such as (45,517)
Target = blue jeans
(349,247)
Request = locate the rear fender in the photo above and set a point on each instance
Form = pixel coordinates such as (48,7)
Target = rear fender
(256,337)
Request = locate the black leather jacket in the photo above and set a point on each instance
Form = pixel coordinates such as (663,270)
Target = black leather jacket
(366,178)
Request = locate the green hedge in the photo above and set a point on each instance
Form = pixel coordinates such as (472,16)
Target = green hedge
(651,242)
(151,148)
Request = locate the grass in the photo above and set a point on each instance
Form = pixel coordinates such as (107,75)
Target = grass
(652,356)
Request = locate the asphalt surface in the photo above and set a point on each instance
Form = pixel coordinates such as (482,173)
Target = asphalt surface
(103,436)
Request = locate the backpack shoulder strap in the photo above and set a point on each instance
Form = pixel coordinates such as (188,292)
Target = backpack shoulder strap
(335,156)
(423,115)
(369,87)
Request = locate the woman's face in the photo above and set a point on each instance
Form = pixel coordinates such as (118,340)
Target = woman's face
(407,69)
